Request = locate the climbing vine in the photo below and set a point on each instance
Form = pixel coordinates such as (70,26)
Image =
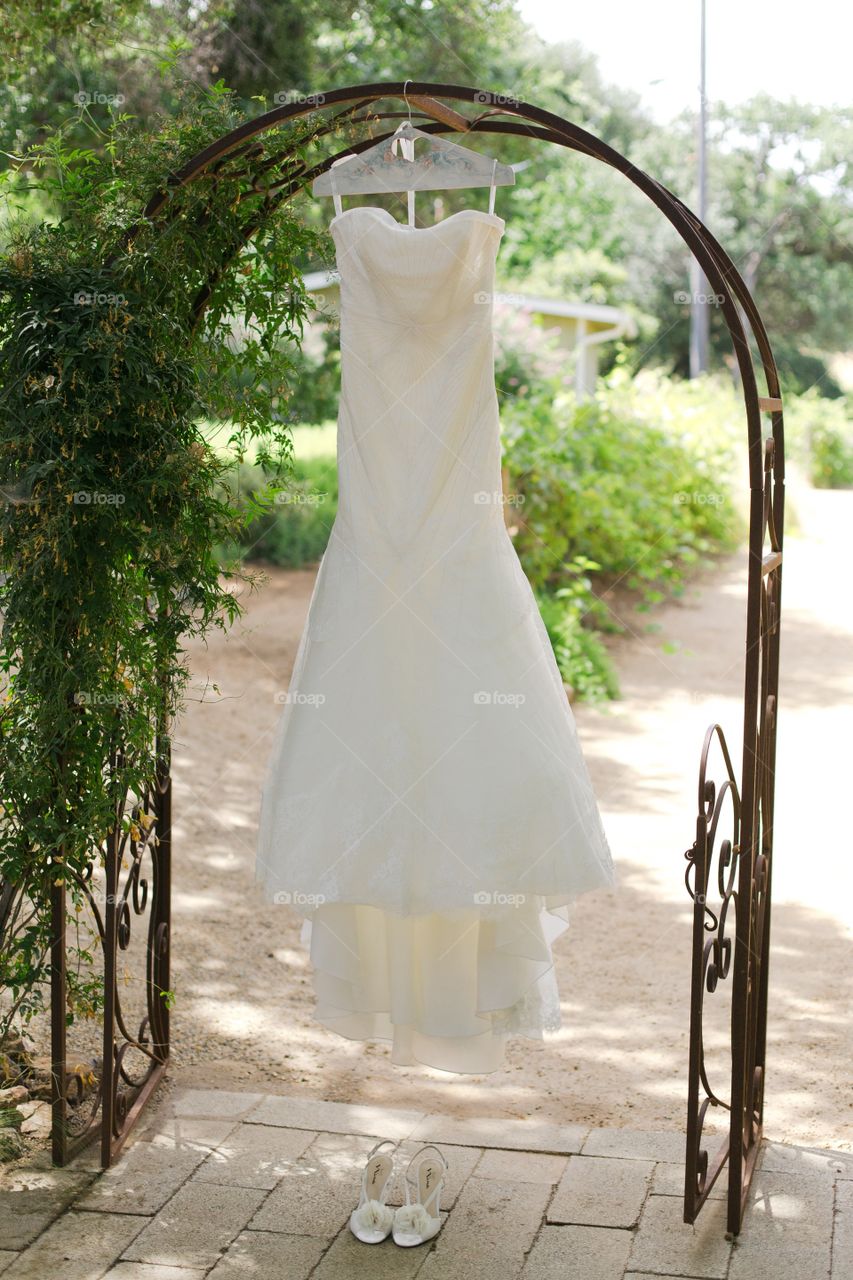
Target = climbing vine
(112,499)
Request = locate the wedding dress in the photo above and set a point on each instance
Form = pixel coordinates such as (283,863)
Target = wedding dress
(427,807)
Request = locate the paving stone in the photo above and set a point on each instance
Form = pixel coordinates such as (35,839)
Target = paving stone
(601,1191)
(508,1135)
(578,1253)
(146,1271)
(752,1260)
(641,1144)
(195,1226)
(219,1104)
(796,1203)
(489,1231)
(779,1157)
(88,1160)
(183,1131)
(321,1191)
(666,1245)
(7,1257)
(668,1180)
(145,1176)
(787,1228)
(842,1240)
(348,1259)
(461,1163)
(32,1198)
(269,1255)
(523,1166)
(254,1156)
(335,1117)
(78,1246)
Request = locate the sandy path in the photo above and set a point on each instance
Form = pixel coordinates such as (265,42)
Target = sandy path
(244,998)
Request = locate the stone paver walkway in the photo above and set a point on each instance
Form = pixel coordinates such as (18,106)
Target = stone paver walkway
(239,1185)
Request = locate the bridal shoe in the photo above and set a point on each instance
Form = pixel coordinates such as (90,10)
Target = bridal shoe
(372,1220)
(418,1220)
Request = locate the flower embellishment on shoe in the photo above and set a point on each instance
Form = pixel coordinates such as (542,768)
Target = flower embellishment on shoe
(372,1220)
(413,1219)
(419,1220)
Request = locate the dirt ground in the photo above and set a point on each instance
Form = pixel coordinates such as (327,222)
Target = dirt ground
(244,997)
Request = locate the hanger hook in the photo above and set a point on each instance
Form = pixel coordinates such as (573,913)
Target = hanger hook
(405,95)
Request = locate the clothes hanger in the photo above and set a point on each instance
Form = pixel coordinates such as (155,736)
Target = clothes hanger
(391,166)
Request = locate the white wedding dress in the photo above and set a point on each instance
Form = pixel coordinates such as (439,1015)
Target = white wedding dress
(427,807)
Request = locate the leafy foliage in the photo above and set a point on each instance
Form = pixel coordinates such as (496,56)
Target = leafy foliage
(296,531)
(604,498)
(114,499)
(620,492)
(579,651)
(822,435)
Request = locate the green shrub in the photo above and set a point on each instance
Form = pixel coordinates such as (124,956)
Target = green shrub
(823,428)
(605,497)
(293,529)
(317,377)
(581,657)
(619,491)
(832,458)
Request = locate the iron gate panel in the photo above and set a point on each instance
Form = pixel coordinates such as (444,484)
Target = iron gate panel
(132,1062)
(744,867)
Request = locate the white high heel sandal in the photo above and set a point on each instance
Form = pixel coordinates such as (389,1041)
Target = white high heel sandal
(417,1221)
(372,1220)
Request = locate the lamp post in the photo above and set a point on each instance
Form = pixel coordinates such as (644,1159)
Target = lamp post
(699,314)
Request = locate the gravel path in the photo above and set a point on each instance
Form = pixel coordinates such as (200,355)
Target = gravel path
(244,998)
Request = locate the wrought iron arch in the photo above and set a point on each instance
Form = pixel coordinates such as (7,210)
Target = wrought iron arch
(744,861)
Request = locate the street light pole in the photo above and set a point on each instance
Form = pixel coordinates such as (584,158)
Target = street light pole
(699,314)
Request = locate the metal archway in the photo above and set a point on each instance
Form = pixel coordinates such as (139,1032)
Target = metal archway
(742,861)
